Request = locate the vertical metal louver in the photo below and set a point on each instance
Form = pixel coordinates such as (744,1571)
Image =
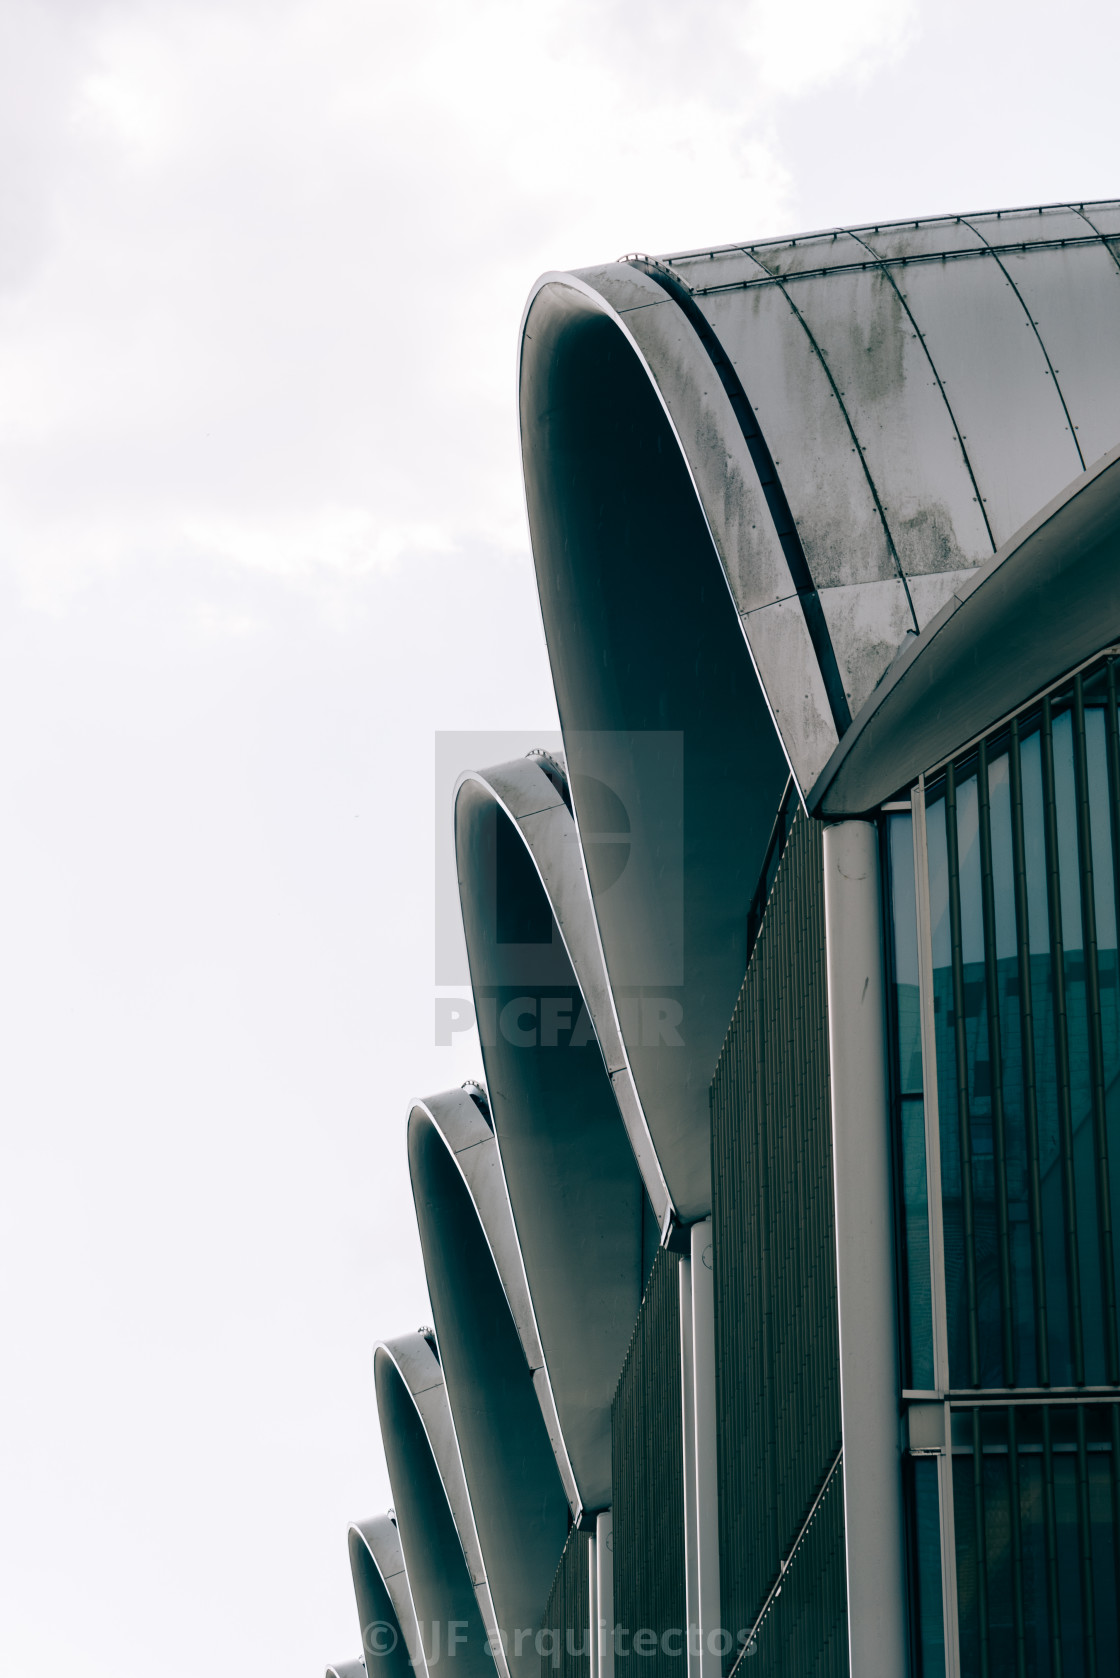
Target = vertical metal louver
(565,1633)
(782,1566)
(648,1487)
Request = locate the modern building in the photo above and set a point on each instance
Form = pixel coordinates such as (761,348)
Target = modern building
(774,1263)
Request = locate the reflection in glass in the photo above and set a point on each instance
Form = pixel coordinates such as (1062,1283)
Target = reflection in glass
(910,1113)
(1023,871)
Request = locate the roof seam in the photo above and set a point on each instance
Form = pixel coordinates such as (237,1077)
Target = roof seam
(1034,328)
(915,222)
(777,503)
(903,299)
(1103,237)
(911,258)
(858,446)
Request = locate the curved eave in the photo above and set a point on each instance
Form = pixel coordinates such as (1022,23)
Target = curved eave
(381,1541)
(761,588)
(471,1144)
(551,837)
(419,1371)
(575,1192)
(1048,600)
(346,1669)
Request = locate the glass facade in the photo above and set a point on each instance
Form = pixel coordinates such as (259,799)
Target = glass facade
(1004,880)
(1034,1495)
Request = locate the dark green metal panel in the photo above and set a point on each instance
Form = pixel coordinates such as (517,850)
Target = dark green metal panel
(777,1350)
(648,1485)
(805,1629)
(565,1640)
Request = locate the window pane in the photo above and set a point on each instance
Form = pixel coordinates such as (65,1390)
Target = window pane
(1016,1148)
(927,1558)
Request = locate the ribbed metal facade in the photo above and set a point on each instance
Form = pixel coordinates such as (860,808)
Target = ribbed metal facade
(778,1375)
(648,1485)
(803,1625)
(565,1641)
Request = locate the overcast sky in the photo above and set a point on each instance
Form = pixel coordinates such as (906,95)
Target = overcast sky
(262,265)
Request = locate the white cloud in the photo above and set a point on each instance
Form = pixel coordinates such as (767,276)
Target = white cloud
(802,45)
(289,246)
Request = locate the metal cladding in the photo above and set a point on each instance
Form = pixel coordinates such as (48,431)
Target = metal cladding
(513,1481)
(569,1604)
(674,763)
(649,1509)
(438,1535)
(576,1194)
(386,1613)
(823,529)
(829,433)
(776,1321)
(533,794)
(922,389)
(1045,602)
(455,1122)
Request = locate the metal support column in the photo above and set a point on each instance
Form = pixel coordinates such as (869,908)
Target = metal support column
(593,1602)
(603,1618)
(869,1389)
(701,1485)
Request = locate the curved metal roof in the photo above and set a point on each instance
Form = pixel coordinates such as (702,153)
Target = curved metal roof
(346,1669)
(676,766)
(911,393)
(439,1540)
(469,1137)
(386,1612)
(576,1196)
(518,1499)
(538,804)
(777,464)
(1047,601)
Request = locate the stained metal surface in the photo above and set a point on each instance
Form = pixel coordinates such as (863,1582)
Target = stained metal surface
(1046,601)
(996,375)
(1082,341)
(923,388)
(806,427)
(577,1199)
(516,1492)
(439,1539)
(386,1613)
(723,476)
(902,420)
(778,1367)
